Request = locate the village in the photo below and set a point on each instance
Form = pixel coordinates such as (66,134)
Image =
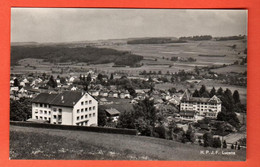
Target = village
(95,99)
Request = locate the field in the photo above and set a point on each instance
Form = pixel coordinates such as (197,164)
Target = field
(190,49)
(236,68)
(156,57)
(33,143)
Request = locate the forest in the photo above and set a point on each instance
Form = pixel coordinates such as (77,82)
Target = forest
(88,54)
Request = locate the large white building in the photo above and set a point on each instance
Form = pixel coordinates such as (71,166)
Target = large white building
(67,108)
(208,107)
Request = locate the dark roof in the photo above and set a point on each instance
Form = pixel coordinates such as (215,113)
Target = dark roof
(112,111)
(45,98)
(67,98)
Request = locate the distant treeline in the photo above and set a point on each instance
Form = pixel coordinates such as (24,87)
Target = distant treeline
(212,55)
(88,54)
(154,41)
(196,38)
(231,38)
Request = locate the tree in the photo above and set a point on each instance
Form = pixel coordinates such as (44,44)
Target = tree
(190,134)
(220,91)
(196,93)
(52,83)
(100,77)
(236,97)
(102,118)
(197,70)
(208,139)
(16,82)
(212,92)
(224,144)
(205,94)
(202,89)
(111,76)
(89,78)
(216,142)
(142,117)
(20,110)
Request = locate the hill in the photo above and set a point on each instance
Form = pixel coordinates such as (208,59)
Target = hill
(40,143)
(88,54)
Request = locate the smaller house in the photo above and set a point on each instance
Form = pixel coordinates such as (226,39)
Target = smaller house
(113,114)
(188,115)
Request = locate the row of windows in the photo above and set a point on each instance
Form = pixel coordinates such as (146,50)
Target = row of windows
(55,109)
(42,118)
(86,102)
(86,109)
(43,112)
(86,116)
(42,105)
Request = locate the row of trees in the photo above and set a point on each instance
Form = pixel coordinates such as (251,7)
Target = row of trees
(230,103)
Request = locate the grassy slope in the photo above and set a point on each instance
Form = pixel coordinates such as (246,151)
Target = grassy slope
(33,143)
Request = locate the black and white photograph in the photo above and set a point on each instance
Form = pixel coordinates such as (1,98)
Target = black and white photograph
(128,84)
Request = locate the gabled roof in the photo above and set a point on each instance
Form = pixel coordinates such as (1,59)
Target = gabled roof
(112,111)
(67,98)
(45,98)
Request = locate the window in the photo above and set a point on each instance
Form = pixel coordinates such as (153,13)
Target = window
(54,116)
(40,117)
(86,102)
(82,110)
(90,101)
(36,111)
(40,105)
(86,109)
(40,111)
(77,118)
(77,110)
(94,114)
(36,105)
(82,103)
(82,117)
(45,118)
(90,115)
(89,108)
(45,105)
(36,117)
(94,107)
(60,110)
(54,109)
(45,112)
(86,116)
(49,113)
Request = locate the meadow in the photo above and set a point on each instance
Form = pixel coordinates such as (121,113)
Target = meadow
(40,143)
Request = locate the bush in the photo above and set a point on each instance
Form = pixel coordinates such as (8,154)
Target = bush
(216,142)
(208,139)
(224,144)
(160,132)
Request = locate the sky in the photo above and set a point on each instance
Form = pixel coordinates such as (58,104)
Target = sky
(84,24)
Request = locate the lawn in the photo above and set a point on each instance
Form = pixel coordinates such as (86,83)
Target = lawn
(40,143)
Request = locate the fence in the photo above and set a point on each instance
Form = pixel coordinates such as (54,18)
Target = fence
(71,127)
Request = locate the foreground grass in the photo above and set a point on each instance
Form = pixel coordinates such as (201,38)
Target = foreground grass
(40,143)
(41,146)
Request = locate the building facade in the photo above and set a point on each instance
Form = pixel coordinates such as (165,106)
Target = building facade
(67,108)
(208,107)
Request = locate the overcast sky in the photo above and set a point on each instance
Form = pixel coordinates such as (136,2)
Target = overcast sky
(65,25)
